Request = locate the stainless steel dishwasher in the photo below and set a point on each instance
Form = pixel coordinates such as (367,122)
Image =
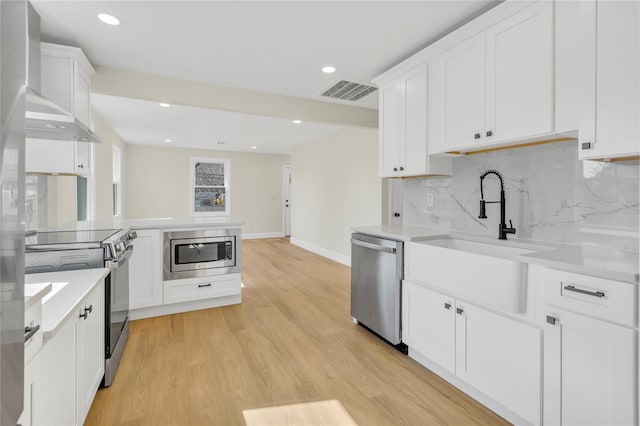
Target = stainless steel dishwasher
(376,275)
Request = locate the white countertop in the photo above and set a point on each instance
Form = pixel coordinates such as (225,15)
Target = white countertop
(150,223)
(596,261)
(182,222)
(61,303)
(400,232)
(34,292)
(599,262)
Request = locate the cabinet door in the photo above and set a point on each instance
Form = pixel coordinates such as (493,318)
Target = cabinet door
(413,151)
(501,357)
(428,324)
(520,75)
(145,279)
(390,129)
(82,158)
(590,371)
(59,404)
(461,77)
(610,116)
(91,349)
(33,378)
(57,80)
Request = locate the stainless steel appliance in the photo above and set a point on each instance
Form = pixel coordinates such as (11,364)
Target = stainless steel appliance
(13,48)
(376,276)
(108,248)
(189,254)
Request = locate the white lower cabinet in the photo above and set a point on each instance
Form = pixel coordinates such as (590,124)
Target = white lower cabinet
(590,350)
(495,354)
(74,362)
(194,289)
(145,270)
(33,374)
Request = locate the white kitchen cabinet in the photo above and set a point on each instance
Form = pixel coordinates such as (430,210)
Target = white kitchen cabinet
(428,324)
(497,355)
(59,404)
(74,362)
(501,357)
(404,126)
(90,350)
(590,371)
(66,80)
(201,288)
(33,378)
(590,350)
(496,87)
(610,80)
(58,157)
(145,270)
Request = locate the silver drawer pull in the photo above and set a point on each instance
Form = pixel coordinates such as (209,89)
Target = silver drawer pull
(204,285)
(581,291)
(30,331)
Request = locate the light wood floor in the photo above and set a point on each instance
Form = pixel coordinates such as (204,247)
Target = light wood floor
(291,341)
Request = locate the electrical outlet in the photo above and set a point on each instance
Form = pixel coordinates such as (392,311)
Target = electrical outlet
(430,199)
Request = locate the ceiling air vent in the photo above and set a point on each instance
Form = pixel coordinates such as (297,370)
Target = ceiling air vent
(348,90)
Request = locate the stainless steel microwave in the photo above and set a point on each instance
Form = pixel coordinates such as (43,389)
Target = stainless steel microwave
(190,254)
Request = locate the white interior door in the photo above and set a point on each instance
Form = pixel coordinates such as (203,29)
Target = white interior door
(286,181)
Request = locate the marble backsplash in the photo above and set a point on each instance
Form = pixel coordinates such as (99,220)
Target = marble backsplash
(551,196)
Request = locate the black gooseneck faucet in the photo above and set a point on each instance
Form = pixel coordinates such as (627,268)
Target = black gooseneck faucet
(503,229)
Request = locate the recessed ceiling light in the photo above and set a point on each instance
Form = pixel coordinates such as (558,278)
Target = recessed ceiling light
(328,70)
(108,19)
(254,147)
(297,121)
(164,105)
(168,140)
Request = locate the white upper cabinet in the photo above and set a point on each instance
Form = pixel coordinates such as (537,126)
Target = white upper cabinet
(610,85)
(495,87)
(66,80)
(403,125)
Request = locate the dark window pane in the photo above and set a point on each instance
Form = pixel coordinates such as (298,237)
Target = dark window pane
(81,198)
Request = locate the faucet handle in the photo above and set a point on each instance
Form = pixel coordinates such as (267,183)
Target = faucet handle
(510,229)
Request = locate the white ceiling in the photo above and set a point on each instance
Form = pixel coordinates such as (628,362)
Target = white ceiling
(144,122)
(267,46)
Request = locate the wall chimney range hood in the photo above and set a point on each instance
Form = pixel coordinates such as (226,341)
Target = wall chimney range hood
(43,118)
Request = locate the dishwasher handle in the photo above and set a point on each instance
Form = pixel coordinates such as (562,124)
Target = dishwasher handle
(377,247)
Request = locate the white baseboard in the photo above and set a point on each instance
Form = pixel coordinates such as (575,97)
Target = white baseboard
(262,235)
(329,254)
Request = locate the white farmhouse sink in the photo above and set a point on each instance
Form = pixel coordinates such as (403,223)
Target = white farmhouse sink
(55,288)
(485,272)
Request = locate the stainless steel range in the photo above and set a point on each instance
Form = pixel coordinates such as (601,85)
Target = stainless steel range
(100,248)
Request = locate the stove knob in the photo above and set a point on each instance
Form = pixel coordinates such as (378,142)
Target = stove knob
(132,235)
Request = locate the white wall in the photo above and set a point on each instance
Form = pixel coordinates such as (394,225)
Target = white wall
(103,168)
(335,186)
(158,179)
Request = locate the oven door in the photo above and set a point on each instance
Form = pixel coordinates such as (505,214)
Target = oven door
(192,254)
(117,301)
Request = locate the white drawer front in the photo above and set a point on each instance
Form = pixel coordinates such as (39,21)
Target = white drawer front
(598,297)
(33,318)
(190,289)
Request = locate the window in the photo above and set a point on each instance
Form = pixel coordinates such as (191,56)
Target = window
(117,196)
(210,190)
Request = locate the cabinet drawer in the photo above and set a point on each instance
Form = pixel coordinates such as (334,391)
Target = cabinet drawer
(598,297)
(33,318)
(190,289)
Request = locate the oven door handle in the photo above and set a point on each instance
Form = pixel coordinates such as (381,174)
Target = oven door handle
(125,256)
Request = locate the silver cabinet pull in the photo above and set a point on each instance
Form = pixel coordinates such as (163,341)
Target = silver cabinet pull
(581,291)
(204,285)
(447,306)
(30,331)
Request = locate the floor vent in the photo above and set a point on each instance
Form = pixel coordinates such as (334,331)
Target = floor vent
(348,90)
